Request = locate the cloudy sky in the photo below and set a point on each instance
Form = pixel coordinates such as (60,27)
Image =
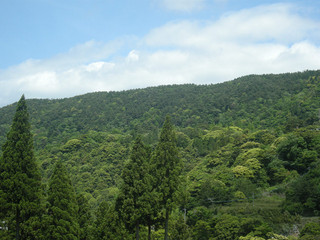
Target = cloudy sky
(62,48)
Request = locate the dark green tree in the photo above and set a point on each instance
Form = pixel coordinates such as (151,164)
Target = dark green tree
(84,218)
(167,167)
(62,212)
(303,194)
(20,180)
(134,203)
(107,225)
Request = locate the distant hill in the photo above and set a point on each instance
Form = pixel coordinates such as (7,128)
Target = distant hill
(254,102)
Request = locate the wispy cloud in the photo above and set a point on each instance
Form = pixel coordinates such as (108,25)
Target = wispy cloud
(278,23)
(65,74)
(266,39)
(183,5)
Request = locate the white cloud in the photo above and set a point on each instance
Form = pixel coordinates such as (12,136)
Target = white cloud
(183,5)
(45,82)
(133,56)
(266,39)
(98,66)
(273,23)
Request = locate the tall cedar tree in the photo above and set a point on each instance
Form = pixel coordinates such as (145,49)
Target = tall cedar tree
(167,167)
(134,203)
(61,220)
(20,180)
(84,218)
(108,225)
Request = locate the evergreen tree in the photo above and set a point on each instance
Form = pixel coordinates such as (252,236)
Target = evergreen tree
(20,180)
(108,225)
(134,202)
(167,167)
(61,220)
(84,218)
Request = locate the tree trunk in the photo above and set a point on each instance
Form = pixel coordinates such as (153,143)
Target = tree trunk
(149,231)
(137,231)
(166,225)
(17,223)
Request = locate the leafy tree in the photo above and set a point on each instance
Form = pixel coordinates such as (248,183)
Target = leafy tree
(179,230)
(167,169)
(202,230)
(61,220)
(20,181)
(310,231)
(302,195)
(299,150)
(213,190)
(228,227)
(133,202)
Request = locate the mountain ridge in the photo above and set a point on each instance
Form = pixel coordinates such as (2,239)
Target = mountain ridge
(187,102)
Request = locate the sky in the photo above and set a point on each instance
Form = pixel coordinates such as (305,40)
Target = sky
(62,48)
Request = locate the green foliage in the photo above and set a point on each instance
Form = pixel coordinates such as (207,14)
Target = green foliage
(71,145)
(20,181)
(85,218)
(179,229)
(261,102)
(251,238)
(202,230)
(228,227)
(213,190)
(107,225)
(135,202)
(61,220)
(238,142)
(167,169)
(236,227)
(299,150)
(310,231)
(303,194)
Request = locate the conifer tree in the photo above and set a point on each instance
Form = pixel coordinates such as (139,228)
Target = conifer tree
(84,218)
(167,167)
(108,225)
(61,220)
(134,202)
(20,180)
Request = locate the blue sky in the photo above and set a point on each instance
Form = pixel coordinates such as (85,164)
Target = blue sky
(62,48)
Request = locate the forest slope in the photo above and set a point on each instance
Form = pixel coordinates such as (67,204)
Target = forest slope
(238,141)
(255,102)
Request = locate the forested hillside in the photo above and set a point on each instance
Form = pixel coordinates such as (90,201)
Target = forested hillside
(254,102)
(248,150)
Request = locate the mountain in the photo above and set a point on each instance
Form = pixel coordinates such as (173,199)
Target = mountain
(255,101)
(238,140)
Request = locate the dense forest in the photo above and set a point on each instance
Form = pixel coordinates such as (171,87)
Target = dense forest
(235,160)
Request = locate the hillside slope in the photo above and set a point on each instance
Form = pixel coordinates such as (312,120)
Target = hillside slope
(250,148)
(255,102)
